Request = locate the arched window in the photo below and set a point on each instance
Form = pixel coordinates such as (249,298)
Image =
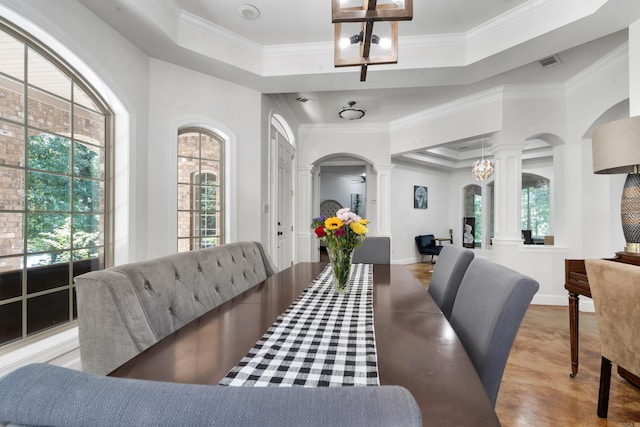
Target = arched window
(53,197)
(200,189)
(536,202)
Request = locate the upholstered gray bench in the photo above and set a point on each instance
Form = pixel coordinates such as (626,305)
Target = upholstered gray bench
(46,395)
(125,309)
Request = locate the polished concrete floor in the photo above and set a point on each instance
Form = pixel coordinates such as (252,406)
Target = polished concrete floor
(536,389)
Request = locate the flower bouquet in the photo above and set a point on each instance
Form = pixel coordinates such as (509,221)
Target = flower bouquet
(342,233)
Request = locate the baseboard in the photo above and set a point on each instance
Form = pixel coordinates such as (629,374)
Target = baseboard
(586,305)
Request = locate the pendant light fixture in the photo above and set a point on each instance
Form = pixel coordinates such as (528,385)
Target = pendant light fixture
(356,44)
(482,169)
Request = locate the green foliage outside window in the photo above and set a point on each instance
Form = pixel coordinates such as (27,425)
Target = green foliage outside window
(536,205)
(62,210)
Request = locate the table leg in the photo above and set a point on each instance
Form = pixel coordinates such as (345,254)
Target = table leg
(574,301)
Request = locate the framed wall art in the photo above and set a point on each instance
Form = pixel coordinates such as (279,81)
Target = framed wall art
(420,197)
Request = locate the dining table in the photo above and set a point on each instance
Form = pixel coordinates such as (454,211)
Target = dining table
(416,347)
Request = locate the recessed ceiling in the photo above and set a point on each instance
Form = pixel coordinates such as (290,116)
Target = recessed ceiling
(449,50)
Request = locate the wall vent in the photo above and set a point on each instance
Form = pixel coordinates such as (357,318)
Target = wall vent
(302,99)
(549,61)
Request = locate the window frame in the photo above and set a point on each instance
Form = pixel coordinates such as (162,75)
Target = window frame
(530,178)
(195,213)
(76,80)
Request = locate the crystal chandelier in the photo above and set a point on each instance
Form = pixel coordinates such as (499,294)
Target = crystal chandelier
(482,169)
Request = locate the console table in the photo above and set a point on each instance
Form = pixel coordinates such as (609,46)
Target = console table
(577,283)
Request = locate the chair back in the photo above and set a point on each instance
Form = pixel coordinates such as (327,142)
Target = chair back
(615,288)
(373,250)
(425,242)
(487,312)
(447,275)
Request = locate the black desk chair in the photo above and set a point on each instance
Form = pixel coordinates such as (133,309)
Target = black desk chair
(427,246)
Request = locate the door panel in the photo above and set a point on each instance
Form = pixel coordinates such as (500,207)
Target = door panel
(284,213)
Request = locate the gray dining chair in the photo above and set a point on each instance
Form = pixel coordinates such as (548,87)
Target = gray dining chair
(447,276)
(487,312)
(373,250)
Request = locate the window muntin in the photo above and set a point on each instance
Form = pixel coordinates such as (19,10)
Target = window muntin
(536,203)
(200,189)
(52,186)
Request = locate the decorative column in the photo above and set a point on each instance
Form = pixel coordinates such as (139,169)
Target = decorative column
(306,245)
(383,202)
(508,199)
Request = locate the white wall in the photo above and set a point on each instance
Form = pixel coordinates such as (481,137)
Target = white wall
(334,186)
(408,222)
(180,97)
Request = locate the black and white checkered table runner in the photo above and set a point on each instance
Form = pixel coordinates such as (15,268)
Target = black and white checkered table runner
(322,339)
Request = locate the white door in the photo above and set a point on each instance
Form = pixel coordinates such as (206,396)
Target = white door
(284,211)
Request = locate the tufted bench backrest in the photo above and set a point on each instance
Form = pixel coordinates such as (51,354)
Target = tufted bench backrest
(125,309)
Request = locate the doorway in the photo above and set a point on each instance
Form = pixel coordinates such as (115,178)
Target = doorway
(282,160)
(342,186)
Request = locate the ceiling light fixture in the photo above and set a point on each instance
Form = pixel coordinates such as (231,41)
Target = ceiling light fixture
(359,19)
(351,112)
(482,169)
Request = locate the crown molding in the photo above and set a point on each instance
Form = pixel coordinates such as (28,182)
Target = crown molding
(481,98)
(523,10)
(616,58)
(217,32)
(535,91)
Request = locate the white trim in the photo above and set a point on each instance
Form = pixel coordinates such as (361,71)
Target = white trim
(41,351)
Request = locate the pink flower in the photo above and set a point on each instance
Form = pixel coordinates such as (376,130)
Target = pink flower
(347,216)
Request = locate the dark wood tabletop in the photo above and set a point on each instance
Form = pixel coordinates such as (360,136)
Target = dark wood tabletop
(416,346)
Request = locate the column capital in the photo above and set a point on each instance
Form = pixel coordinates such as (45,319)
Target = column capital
(383,168)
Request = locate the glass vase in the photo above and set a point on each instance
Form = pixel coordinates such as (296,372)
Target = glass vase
(340,260)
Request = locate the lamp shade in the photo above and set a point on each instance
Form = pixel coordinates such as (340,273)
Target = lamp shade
(616,146)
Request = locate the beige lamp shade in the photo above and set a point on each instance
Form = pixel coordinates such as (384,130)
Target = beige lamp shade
(616,146)
(616,149)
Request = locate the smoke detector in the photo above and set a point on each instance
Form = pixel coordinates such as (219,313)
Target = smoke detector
(249,12)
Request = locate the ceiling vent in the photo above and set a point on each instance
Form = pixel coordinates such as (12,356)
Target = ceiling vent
(302,99)
(549,61)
